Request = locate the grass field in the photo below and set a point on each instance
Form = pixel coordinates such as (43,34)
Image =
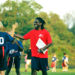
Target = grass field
(59,72)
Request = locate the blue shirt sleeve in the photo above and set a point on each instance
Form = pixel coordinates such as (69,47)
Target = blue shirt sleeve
(20,43)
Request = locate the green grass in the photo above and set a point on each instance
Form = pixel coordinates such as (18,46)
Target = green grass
(59,72)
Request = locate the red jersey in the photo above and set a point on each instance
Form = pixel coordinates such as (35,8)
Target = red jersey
(34,35)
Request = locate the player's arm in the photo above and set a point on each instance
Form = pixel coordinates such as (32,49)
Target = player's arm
(18,44)
(18,36)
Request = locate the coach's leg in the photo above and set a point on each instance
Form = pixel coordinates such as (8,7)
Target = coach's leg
(33,72)
(44,72)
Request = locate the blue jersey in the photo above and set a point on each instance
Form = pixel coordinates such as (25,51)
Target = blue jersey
(13,49)
(5,37)
(53,59)
(63,58)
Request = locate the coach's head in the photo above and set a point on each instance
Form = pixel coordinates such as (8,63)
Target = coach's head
(39,23)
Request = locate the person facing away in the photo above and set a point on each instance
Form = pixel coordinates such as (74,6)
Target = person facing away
(4,37)
(65,62)
(14,52)
(39,60)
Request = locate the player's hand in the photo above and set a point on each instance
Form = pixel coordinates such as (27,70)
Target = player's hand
(40,50)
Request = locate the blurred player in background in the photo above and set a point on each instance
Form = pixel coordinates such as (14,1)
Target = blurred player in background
(28,60)
(65,62)
(53,64)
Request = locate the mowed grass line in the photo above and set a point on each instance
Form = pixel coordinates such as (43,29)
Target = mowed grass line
(59,72)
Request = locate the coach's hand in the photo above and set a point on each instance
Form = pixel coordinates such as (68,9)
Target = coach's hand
(40,50)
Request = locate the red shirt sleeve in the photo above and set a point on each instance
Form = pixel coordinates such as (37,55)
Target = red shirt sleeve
(49,40)
(27,36)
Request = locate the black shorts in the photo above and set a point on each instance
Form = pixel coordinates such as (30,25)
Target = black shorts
(3,63)
(39,63)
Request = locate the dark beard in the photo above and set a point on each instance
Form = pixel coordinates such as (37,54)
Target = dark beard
(37,27)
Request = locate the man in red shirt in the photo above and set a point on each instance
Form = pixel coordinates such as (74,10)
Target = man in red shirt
(40,40)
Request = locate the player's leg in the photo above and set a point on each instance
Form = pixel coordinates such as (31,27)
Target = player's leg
(2,72)
(54,69)
(3,63)
(34,65)
(63,67)
(33,72)
(9,65)
(27,64)
(44,72)
(67,67)
(43,65)
(17,64)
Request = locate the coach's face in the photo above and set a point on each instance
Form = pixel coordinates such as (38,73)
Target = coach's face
(37,24)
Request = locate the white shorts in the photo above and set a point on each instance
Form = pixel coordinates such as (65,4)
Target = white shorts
(28,61)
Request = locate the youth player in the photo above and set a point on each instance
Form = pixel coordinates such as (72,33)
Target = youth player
(65,63)
(39,60)
(53,64)
(4,37)
(14,51)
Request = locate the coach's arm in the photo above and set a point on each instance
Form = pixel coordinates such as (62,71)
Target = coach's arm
(18,36)
(47,46)
(44,48)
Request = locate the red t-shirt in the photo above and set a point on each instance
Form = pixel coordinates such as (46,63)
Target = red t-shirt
(34,35)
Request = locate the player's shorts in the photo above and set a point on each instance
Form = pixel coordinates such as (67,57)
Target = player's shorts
(3,63)
(53,64)
(63,64)
(28,61)
(39,63)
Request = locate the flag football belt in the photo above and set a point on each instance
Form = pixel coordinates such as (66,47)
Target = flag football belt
(2,48)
